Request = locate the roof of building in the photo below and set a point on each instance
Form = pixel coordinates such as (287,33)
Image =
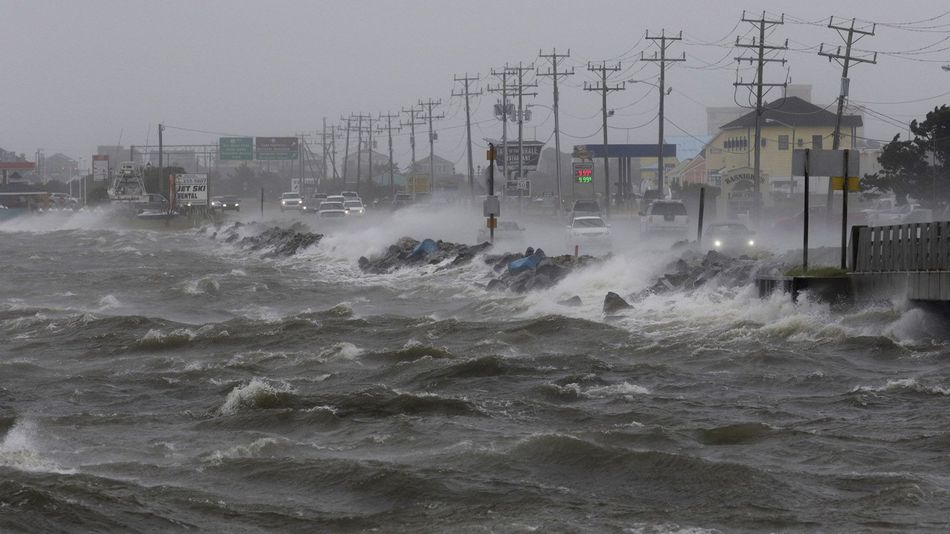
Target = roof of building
(21,189)
(794,112)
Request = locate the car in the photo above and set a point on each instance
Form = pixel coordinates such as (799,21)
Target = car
(402,200)
(505,231)
(590,229)
(349,195)
(317,198)
(354,207)
(335,198)
(291,201)
(229,202)
(665,218)
(63,201)
(332,210)
(729,237)
(584,207)
(312,206)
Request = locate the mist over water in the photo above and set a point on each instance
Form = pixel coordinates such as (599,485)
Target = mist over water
(159,380)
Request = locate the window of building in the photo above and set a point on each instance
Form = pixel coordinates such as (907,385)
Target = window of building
(816,142)
(783,142)
(762,142)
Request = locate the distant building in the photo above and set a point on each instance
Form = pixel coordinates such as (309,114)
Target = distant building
(60,167)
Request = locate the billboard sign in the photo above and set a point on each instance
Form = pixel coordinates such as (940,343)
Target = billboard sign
(583,173)
(236,148)
(100,167)
(191,189)
(276,148)
(824,162)
(530,158)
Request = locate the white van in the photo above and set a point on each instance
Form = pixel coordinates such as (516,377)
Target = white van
(665,218)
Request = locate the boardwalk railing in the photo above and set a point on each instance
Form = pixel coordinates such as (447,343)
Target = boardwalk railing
(901,247)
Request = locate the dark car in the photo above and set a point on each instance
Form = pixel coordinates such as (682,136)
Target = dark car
(729,237)
(229,202)
(402,200)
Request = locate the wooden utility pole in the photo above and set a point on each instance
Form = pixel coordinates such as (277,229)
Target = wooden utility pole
(503,89)
(413,122)
(603,87)
(759,60)
(664,43)
(853,35)
(468,126)
(429,104)
(389,130)
(519,91)
(346,149)
(555,59)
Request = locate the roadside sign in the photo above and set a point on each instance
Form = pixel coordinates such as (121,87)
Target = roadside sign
(530,158)
(236,148)
(191,188)
(492,206)
(517,188)
(419,183)
(583,173)
(100,167)
(275,148)
(824,162)
(837,183)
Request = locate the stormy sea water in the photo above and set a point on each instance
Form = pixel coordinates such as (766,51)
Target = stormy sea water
(163,380)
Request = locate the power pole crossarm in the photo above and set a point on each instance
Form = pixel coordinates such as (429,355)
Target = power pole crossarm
(603,88)
(664,43)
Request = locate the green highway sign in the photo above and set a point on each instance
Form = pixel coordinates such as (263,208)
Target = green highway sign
(272,148)
(236,148)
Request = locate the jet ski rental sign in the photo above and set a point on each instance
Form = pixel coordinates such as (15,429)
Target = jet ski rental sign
(191,189)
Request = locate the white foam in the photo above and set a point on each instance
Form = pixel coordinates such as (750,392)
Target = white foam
(20,449)
(252,394)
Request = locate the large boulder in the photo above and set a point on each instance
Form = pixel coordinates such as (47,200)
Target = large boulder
(614,303)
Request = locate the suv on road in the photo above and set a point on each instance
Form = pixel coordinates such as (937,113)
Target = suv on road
(665,218)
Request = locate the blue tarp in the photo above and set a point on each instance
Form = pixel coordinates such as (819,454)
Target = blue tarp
(528,262)
(427,246)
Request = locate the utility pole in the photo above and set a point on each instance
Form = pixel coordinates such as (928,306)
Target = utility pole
(161,185)
(665,42)
(359,148)
(520,87)
(759,60)
(429,104)
(346,149)
(412,111)
(389,130)
(604,88)
(323,145)
(372,124)
(468,126)
(555,59)
(853,35)
(503,75)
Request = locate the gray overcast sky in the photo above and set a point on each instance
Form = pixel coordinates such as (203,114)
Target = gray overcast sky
(81,74)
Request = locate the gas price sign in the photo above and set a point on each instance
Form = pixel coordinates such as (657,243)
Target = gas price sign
(584,173)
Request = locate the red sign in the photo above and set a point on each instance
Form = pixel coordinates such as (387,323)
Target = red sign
(17,165)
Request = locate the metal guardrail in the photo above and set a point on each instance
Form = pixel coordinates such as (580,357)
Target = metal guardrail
(901,248)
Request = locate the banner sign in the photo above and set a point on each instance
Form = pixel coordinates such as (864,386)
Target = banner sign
(191,188)
(276,148)
(100,167)
(236,148)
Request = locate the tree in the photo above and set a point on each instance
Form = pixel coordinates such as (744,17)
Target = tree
(917,167)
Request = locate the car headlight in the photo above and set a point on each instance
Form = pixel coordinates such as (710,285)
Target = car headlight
(717,243)
(751,243)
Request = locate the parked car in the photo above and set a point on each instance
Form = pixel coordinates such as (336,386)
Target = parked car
(290,201)
(665,218)
(729,237)
(354,207)
(332,210)
(228,202)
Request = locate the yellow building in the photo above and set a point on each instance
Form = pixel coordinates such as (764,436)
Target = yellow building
(788,123)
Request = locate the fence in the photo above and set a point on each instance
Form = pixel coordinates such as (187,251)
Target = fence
(901,248)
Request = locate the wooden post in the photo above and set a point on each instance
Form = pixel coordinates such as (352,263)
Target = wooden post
(702,206)
(805,214)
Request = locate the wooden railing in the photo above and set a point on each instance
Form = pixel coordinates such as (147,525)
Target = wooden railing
(901,247)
